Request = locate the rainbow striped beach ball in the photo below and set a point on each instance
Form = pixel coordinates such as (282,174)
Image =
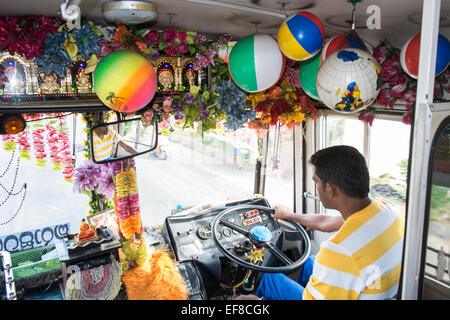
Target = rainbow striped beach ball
(301,36)
(256,63)
(125,81)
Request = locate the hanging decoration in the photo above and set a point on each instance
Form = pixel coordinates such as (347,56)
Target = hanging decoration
(301,36)
(125,81)
(409,55)
(256,63)
(308,75)
(349,81)
(342,41)
(10,191)
(126,200)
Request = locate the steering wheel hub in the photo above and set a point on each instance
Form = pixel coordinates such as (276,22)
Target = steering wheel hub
(261,234)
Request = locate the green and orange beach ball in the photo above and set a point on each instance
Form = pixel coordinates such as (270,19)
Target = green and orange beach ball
(125,81)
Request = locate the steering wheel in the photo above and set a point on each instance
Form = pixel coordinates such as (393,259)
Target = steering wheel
(261,237)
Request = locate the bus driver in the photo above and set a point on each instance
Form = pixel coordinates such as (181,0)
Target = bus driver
(103,141)
(363,259)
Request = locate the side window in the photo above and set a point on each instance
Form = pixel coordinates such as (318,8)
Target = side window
(385,145)
(279,185)
(345,131)
(438,238)
(388,160)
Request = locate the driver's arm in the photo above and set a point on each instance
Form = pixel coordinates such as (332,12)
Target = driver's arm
(127,147)
(320,222)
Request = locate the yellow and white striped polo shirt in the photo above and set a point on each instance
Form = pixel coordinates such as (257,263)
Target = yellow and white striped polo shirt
(103,147)
(363,259)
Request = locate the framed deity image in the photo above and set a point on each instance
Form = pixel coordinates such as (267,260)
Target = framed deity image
(106,218)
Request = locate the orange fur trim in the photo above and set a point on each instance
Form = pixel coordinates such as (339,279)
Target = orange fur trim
(157,279)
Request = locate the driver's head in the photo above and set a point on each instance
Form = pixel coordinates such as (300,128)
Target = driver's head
(102,130)
(340,169)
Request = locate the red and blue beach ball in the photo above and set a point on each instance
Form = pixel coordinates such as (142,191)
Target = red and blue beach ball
(409,56)
(342,41)
(301,36)
(256,63)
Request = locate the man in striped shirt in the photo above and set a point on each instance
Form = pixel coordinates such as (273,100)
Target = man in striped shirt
(363,259)
(104,140)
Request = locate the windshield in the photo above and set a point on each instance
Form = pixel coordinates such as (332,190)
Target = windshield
(39,199)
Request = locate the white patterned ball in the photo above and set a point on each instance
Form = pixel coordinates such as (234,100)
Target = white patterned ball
(349,80)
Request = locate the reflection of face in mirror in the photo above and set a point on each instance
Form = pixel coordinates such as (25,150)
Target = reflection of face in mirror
(104,140)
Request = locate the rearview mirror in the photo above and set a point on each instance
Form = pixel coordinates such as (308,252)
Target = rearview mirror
(122,140)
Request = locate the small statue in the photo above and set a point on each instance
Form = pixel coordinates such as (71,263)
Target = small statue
(49,83)
(190,75)
(87,233)
(166,79)
(15,82)
(82,82)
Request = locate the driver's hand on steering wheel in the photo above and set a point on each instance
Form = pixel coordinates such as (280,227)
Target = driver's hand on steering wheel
(281,212)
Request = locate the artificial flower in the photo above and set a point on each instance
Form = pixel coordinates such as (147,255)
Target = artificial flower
(169,35)
(152,37)
(55,58)
(367,116)
(204,59)
(87,41)
(232,101)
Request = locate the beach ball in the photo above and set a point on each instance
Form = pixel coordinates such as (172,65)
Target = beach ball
(301,36)
(342,41)
(256,63)
(409,56)
(349,80)
(125,81)
(308,74)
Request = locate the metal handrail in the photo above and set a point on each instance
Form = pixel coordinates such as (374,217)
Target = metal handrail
(10,286)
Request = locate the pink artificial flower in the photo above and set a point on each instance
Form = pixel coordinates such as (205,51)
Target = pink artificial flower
(204,59)
(181,36)
(182,48)
(153,37)
(385,98)
(170,50)
(169,35)
(407,117)
(224,39)
(367,116)
(445,80)
(9,35)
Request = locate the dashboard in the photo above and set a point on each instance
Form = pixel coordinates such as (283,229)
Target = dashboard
(191,236)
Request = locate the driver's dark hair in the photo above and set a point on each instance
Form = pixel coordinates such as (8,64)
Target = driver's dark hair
(345,167)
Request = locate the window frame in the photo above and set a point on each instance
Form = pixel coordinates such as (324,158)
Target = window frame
(445,122)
